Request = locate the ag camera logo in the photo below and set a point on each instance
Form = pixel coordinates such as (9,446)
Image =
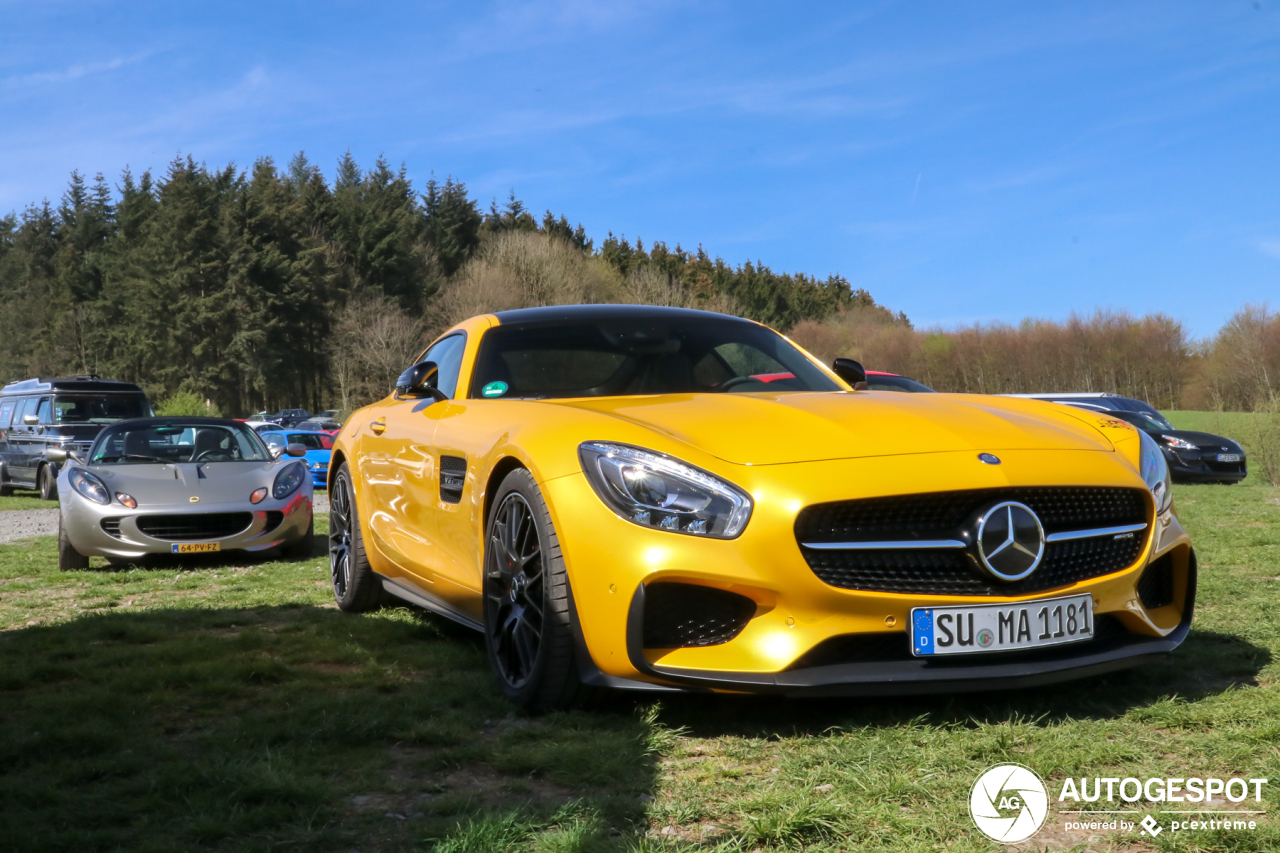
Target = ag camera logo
(1009,803)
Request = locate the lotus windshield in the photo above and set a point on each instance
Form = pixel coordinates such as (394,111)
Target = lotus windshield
(79,409)
(175,441)
(622,357)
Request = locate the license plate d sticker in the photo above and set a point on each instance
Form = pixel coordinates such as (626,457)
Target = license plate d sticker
(1001,627)
(197,547)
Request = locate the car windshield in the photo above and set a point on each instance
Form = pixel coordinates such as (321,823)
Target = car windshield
(1144,421)
(876,382)
(643,356)
(176,441)
(83,409)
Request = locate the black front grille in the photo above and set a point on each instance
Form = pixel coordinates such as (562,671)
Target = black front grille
(453,474)
(1155,587)
(111,527)
(679,615)
(181,528)
(944,515)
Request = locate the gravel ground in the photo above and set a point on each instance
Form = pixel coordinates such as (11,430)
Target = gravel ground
(20,524)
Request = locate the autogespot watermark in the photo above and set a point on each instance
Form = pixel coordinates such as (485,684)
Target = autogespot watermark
(1010,803)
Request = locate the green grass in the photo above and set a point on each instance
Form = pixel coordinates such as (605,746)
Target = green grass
(228,706)
(25,500)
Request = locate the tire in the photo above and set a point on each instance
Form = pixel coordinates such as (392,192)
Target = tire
(6,490)
(69,559)
(48,483)
(356,587)
(304,548)
(528,619)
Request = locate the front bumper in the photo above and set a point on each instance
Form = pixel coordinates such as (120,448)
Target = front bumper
(611,563)
(83,522)
(1195,466)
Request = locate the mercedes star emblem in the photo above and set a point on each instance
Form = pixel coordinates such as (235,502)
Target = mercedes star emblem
(1010,541)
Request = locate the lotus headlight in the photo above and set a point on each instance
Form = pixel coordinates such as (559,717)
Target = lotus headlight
(89,486)
(653,490)
(1174,441)
(289,479)
(1155,472)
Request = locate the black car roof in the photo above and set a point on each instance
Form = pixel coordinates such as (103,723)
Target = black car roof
(43,384)
(590,313)
(183,420)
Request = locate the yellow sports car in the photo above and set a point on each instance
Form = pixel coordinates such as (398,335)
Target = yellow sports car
(655,498)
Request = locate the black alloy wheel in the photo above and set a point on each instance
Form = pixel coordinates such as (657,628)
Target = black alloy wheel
(515,594)
(356,587)
(529,630)
(340,540)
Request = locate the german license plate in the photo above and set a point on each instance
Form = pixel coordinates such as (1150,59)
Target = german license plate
(1001,627)
(1228,457)
(197,547)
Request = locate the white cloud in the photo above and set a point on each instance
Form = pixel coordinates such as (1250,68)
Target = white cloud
(71,72)
(1269,247)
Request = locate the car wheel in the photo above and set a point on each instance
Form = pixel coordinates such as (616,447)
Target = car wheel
(69,559)
(48,484)
(355,585)
(527,615)
(304,548)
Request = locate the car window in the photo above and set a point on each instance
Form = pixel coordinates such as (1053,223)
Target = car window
(447,354)
(45,411)
(6,412)
(98,410)
(309,440)
(623,357)
(174,441)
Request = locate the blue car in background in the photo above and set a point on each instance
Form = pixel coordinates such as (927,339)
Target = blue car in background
(319,447)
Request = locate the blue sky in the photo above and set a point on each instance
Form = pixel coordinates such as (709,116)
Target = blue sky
(964,162)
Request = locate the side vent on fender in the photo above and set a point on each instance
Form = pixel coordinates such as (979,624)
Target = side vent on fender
(453,473)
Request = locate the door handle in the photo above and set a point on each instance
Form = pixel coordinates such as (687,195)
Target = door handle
(379,426)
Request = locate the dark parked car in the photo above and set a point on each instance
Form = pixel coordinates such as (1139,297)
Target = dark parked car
(1096,401)
(66,412)
(289,417)
(1193,457)
(880,381)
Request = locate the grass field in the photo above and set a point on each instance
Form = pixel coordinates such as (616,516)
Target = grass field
(229,706)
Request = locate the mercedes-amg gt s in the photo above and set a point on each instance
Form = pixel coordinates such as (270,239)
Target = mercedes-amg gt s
(637,497)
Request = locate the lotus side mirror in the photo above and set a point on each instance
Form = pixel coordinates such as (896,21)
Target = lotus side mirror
(30,420)
(296,450)
(419,381)
(851,372)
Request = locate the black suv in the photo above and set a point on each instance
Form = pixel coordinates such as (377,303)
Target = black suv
(289,418)
(67,412)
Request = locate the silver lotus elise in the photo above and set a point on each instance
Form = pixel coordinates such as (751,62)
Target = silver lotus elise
(181,486)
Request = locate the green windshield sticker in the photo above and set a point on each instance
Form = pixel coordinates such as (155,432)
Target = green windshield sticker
(494,389)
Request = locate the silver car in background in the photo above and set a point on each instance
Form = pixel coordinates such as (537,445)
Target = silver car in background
(182,485)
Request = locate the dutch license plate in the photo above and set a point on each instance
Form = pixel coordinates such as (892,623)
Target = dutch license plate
(1001,627)
(197,547)
(1228,457)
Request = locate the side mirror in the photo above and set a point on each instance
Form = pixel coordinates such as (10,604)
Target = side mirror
(57,455)
(296,450)
(419,381)
(850,371)
(31,420)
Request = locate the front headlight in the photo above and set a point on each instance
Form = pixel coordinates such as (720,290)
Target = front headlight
(289,479)
(1174,441)
(653,490)
(89,486)
(1155,472)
